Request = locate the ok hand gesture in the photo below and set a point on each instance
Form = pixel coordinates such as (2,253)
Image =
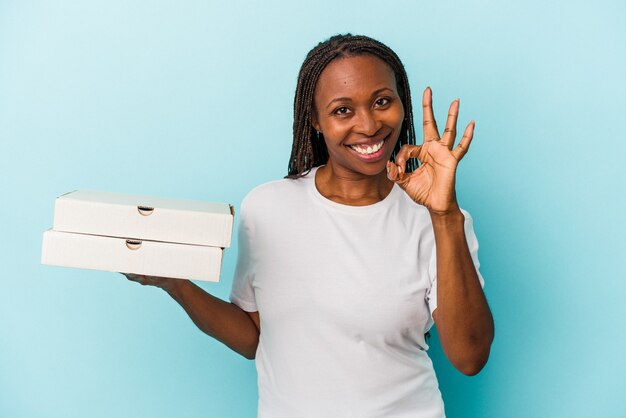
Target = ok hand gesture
(432,184)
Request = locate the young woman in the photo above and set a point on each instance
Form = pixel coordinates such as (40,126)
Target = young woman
(345,264)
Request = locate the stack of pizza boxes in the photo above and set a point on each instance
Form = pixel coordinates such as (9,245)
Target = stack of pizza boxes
(137,234)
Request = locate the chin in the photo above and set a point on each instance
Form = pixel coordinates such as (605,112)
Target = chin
(368,169)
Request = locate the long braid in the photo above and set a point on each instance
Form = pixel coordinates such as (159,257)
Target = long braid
(308,150)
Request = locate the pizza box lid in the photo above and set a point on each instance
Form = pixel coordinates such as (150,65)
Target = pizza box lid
(144,217)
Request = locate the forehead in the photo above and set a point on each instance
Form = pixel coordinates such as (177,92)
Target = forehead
(352,76)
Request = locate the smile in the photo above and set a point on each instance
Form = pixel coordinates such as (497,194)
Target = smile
(370,152)
(368,149)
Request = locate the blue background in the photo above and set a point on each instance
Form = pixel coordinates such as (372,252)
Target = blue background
(193,99)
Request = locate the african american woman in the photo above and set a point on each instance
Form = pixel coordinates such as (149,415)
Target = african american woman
(345,264)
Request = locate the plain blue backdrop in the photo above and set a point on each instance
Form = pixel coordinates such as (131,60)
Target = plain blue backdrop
(193,99)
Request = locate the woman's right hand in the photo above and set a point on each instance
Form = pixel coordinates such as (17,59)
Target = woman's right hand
(165,283)
(222,320)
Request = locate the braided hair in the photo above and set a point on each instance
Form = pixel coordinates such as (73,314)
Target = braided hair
(309,149)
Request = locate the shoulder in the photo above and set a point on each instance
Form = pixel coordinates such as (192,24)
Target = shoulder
(275,194)
(421,211)
(417,216)
(413,212)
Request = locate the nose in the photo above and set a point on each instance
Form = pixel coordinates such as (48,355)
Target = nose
(366,123)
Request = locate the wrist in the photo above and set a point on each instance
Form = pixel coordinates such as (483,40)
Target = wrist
(451,217)
(174,287)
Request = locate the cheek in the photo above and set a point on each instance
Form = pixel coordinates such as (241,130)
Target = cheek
(397,116)
(396,121)
(335,130)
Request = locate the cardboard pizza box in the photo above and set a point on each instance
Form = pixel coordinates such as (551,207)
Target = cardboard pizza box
(144,217)
(154,258)
(139,234)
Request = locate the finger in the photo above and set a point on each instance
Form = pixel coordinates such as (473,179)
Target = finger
(465,142)
(406,152)
(393,173)
(396,175)
(139,278)
(430,125)
(449,133)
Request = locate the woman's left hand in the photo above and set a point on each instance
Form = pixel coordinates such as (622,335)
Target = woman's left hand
(432,184)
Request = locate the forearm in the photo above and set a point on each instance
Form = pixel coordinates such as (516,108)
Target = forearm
(463,319)
(221,320)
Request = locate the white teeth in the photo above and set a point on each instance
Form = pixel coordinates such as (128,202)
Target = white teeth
(369,150)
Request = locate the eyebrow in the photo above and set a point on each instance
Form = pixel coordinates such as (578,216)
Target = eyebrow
(347,99)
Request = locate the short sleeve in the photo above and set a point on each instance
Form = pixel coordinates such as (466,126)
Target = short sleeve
(472,244)
(242,292)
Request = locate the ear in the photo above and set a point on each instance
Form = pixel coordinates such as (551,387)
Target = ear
(314,121)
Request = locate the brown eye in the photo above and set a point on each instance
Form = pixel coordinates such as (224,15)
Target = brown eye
(382,101)
(341,110)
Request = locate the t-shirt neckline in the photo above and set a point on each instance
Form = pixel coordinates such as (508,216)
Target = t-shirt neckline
(383,204)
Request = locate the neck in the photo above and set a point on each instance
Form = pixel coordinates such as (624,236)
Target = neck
(351,188)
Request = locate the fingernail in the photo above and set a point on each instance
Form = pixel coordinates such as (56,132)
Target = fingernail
(399,169)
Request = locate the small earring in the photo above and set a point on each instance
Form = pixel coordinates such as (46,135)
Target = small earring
(318,134)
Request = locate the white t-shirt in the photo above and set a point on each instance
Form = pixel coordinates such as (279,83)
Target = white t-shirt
(345,295)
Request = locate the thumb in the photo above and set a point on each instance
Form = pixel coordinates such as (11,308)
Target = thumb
(393,172)
(396,174)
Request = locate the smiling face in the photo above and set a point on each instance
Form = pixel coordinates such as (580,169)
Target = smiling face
(359,112)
